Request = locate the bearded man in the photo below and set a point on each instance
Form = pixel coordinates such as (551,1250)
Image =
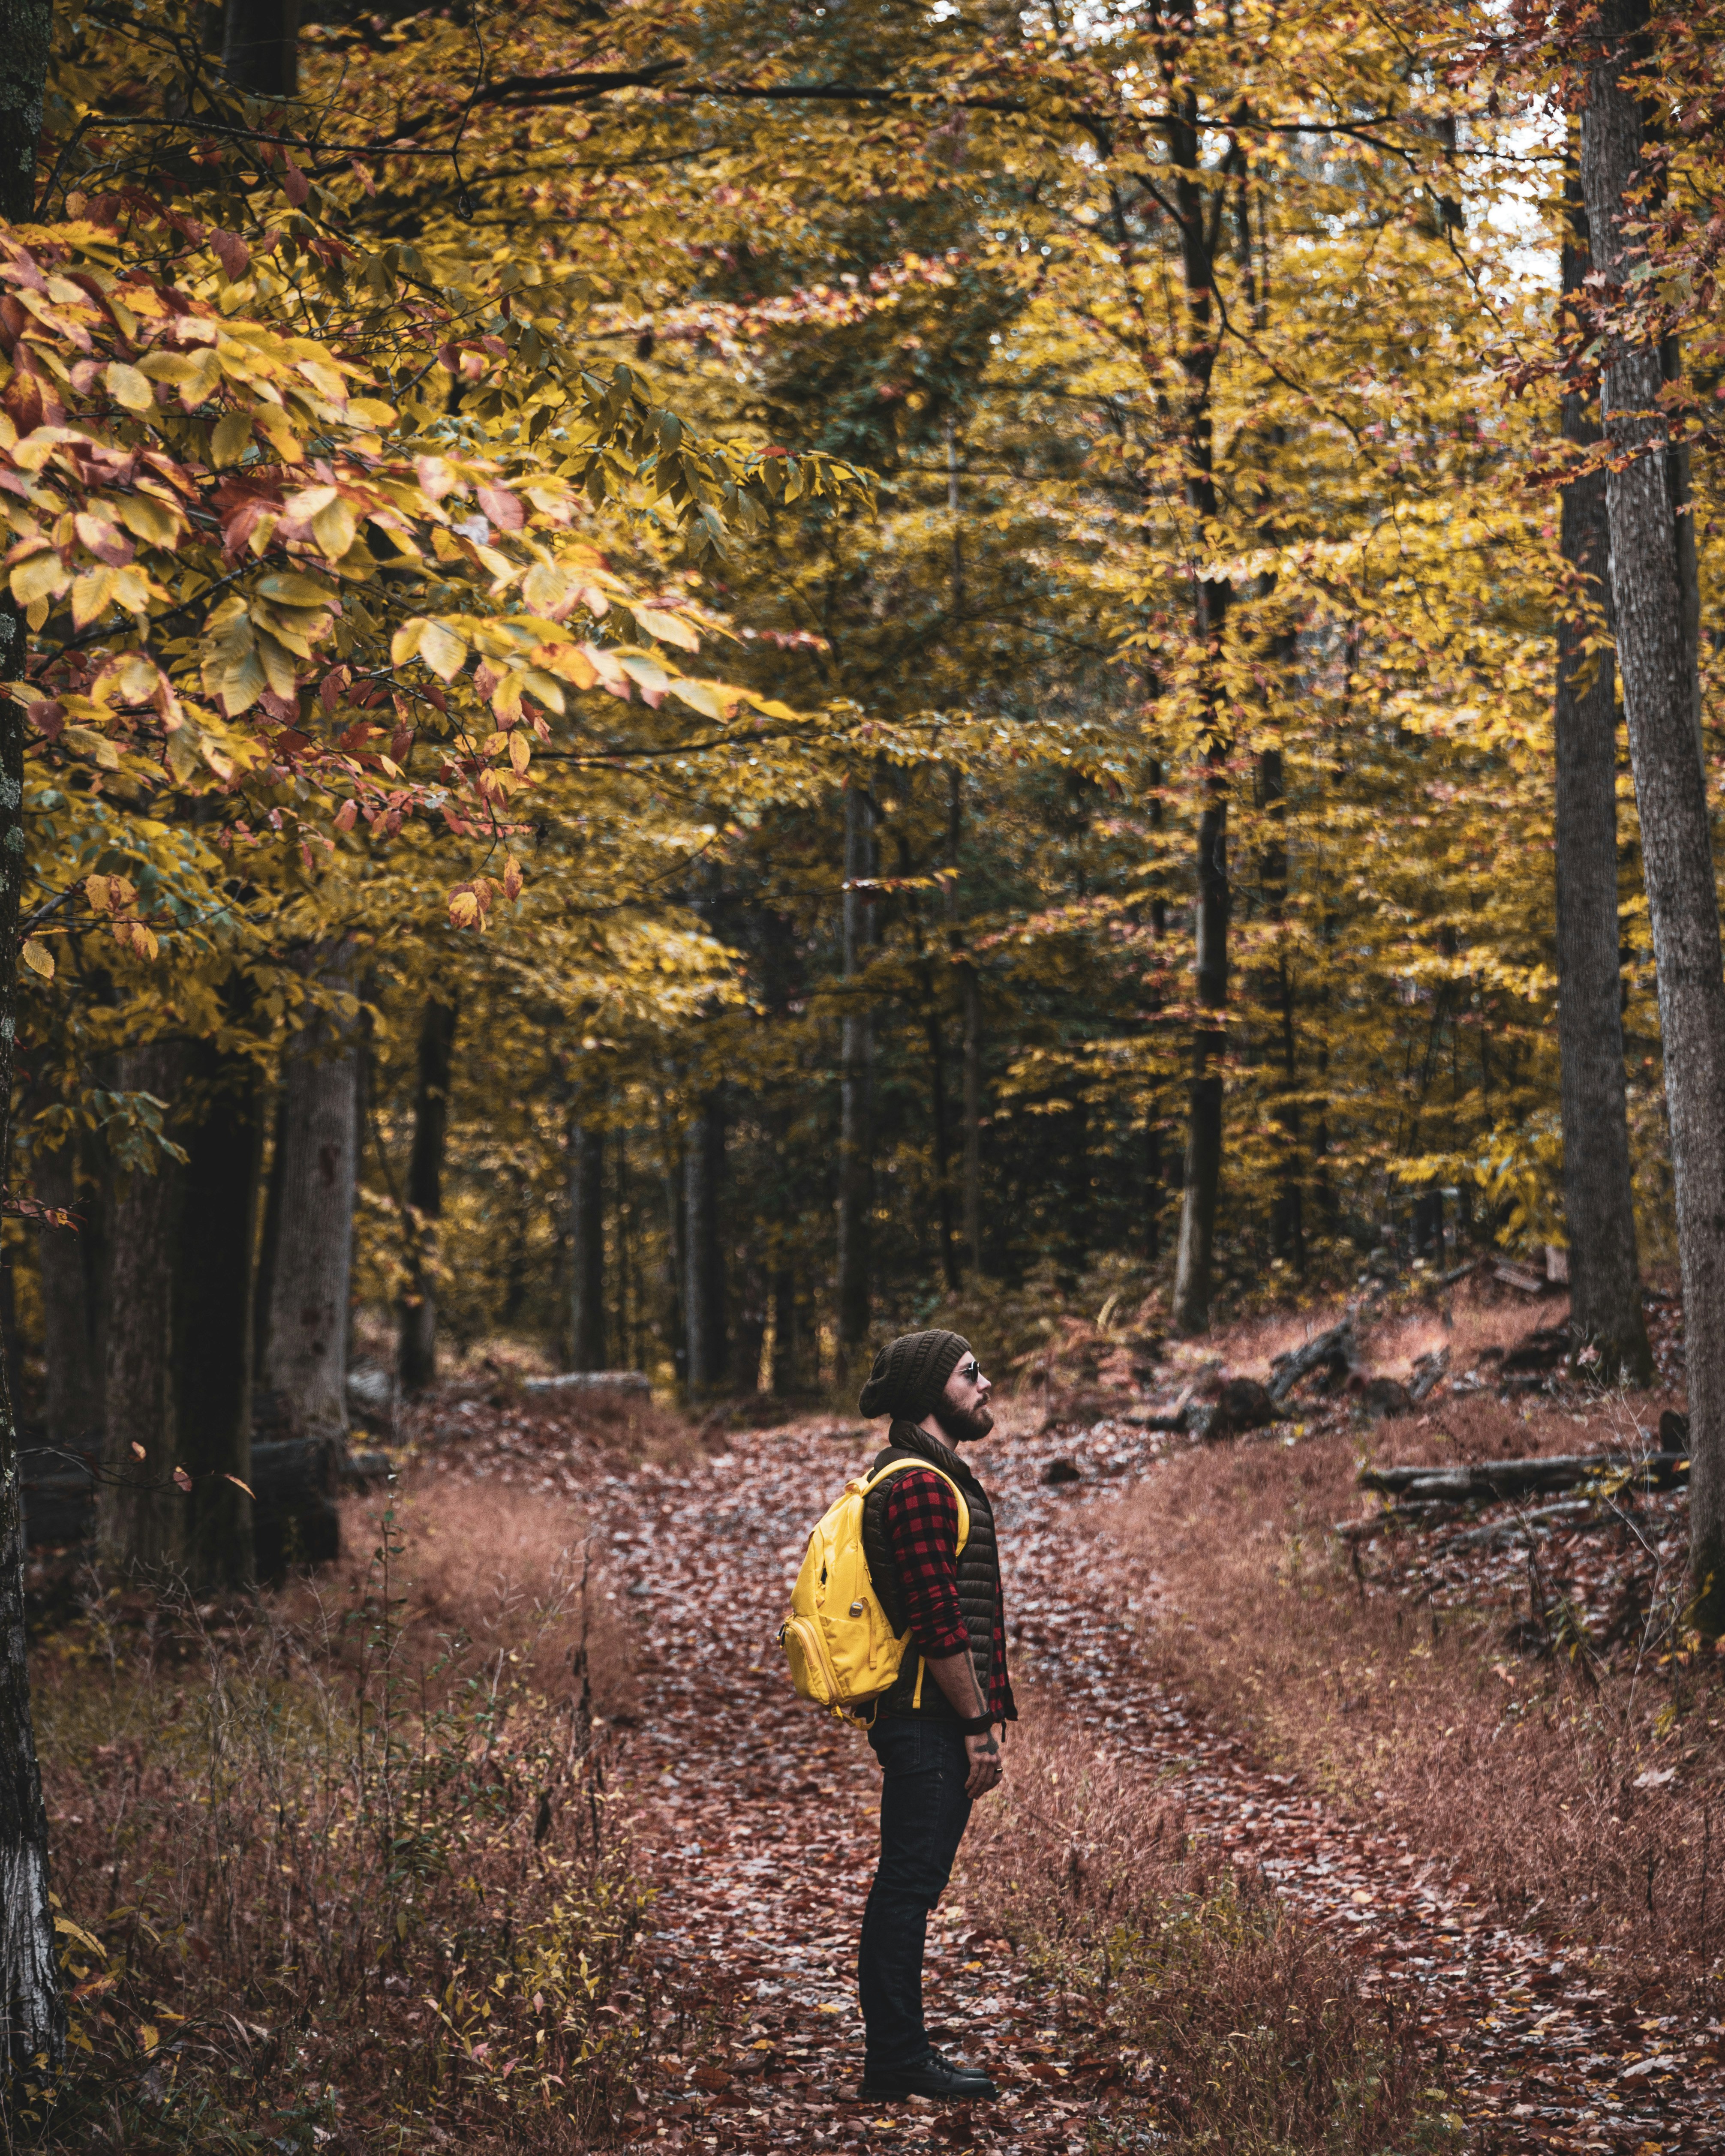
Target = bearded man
(933,1731)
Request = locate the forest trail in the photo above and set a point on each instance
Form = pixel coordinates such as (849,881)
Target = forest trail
(759,1820)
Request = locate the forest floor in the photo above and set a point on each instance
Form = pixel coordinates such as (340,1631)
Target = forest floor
(757,1820)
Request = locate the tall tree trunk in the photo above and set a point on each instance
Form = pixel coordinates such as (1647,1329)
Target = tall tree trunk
(1193,1262)
(971,1017)
(260,47)
(1657,666)
(72,1409)
(587,1247)
(703,1177)
(1211,598)
(140,1513)
(269,1234)
(416,1354)
(787,1360)
(856,1053)
(306,1366)
(1599,1197)
(32,2018)
(211,1321)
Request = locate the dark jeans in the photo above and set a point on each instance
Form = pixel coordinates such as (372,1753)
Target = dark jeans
(923,1813)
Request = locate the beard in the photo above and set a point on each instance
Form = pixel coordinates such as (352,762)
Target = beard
(963,1425)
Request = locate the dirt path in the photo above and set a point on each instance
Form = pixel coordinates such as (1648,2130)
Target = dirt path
(761,1815)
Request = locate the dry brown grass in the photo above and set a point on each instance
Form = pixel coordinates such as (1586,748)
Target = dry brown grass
(343,1864)
(1523,1771)
(1252,2029)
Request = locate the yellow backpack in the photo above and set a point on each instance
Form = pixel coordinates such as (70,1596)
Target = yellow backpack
(842,1652)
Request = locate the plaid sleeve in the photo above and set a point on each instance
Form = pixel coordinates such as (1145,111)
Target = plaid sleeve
(922,1527)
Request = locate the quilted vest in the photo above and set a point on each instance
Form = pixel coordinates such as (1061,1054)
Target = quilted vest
(978,1571)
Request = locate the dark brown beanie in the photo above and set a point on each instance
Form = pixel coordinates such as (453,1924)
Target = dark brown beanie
(911,1374)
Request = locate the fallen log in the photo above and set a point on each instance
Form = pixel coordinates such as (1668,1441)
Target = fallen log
(1335,1354)
(1497,1479)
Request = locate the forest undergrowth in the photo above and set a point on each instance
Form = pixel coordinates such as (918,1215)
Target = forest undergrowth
(340,1868)
(1532,1709)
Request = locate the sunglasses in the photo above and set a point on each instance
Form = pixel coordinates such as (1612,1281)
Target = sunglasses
(970,1371)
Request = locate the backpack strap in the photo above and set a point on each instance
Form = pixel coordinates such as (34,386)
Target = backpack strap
(872,1481)
(877,1476)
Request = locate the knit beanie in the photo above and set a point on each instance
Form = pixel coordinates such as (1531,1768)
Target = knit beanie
(911,1374)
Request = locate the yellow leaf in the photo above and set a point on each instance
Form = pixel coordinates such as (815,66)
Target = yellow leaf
(98,890)
(90,595)
(699,695)
(228,443)
(148,519)
(88,742)
(405,642)
(149,2035)
(546,687)
(668,628)
(287,589)
(42,576)
(334,529)
(463,909)
(512,878)
(127,387)
(282,439)
(37,957)
(544,588)
(443,651)
(520,751)
(77,1931)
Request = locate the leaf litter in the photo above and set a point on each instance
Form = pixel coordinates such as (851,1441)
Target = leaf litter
(756,1818)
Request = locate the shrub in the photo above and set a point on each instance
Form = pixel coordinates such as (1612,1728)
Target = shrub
(319,1883)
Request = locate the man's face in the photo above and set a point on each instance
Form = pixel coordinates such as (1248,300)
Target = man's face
(963,1410)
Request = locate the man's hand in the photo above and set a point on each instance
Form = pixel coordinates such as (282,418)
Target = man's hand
(984,1764)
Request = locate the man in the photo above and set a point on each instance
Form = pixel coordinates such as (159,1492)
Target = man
(933,1731)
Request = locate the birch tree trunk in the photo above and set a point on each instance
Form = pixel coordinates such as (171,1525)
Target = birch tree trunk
(416,1339)
(140,1513)
(586,1248)
(855,1092)
(212,1321)
(307,1364)
(1657,666)
(32,2018)
(1599,1198)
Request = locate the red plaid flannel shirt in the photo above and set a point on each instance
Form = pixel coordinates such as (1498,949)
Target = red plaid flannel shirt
(922,1523)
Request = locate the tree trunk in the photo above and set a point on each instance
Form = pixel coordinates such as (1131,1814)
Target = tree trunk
(417,1340)
(703,1179)
(1212,595)
(270,1235)
(1599,1198)
(33,2017)
(140,1515)
(787,1371)
(260,47)
(970,1012)
(855,1091)
(586,1248)
(307,1360)
(73,1403)
(1677,837)
(1204,1143)
(211,1321)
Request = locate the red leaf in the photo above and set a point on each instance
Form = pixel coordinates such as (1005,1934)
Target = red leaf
(181,1478)
(504,509)
(231,251)
(238,1485)
(294,185)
